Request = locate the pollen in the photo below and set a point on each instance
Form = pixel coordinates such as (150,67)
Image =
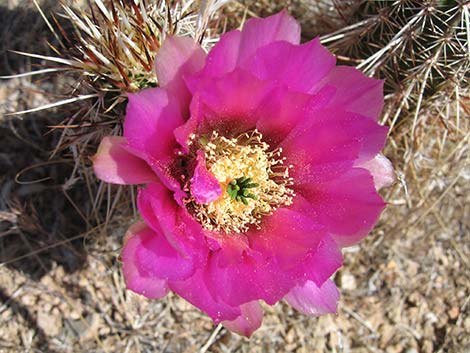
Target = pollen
(255,180)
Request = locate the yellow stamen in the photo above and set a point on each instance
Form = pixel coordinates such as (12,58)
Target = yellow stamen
(245,156)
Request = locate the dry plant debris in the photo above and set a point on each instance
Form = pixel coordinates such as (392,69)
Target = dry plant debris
(404,289)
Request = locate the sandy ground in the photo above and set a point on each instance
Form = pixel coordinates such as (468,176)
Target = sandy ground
(405,289)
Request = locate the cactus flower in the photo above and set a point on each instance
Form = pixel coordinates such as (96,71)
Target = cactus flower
(259,161)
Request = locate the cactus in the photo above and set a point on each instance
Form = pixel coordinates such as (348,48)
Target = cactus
(102,51)
(421,49)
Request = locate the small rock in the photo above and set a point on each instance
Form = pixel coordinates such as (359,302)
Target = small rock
(50,324)
(427,346)
(466,324)
(411,350)
(414,298)
(392,265)
(83,328)
(454,313)
(386,334)
(291,347)
(290,336)
(334,340)
(103,331)
(431,317)
(301,350)
(428,330)
(412,269)
(47,281)
(75,314)
(319,343)
(209,326)
(394,348)
(28,300)
(348,282)
(413,313)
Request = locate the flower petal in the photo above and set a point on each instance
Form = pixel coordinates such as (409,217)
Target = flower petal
(137,279)
(235,47)
(313,300)
(328,143)
(321,264)
(253,277)
(228,104)
(288,235)
(381,169)
(151,117)
(195,291)
(282,110)
(161,211)
(149,252)
(177,58)
(258,276)
(298,67)
(249,321)
(221,59)
(259,32)
(348,205)
(114,164)
(355,92)
(204,186)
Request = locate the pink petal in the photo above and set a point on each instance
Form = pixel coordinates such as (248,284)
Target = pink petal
(114,164)
(151,117)
(253,277)
(282,110)
(177,58)
(195,291)
(183,132)
(137,280)
(233,100)
(259,32)
(220,60)
(328,143)
(381,169)
(229,104)
(153,257)
(321,264)
(288,235)
(204,186)
(312,300)
(298,67)
(249,321)
(258,276)
(234,247)
(355,92)
(235,47)
(348,205)
(162,211)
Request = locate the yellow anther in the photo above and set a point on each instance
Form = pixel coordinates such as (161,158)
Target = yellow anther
(245,156)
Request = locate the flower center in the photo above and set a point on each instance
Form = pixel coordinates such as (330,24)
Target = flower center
(239,189)
(255,182)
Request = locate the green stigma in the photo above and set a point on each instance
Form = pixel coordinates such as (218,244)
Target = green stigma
(239,189)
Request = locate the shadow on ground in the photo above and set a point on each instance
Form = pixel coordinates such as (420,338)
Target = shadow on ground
(38,223)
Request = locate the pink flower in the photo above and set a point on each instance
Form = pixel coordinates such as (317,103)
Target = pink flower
(261,161)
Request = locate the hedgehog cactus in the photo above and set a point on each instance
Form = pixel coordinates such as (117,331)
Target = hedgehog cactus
(115,46)
(417,46)
(421,49)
